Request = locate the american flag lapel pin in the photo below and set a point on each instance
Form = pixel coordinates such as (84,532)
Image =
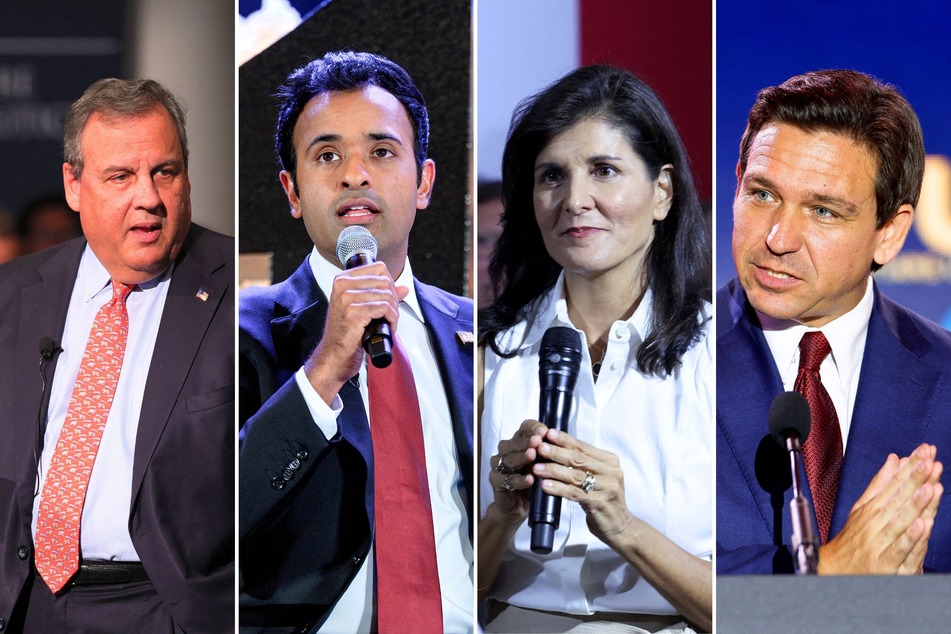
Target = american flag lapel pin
(465,337)
(202,294)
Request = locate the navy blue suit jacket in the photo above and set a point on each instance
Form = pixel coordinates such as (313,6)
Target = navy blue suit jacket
(903,400)
(306,502)
(182,516)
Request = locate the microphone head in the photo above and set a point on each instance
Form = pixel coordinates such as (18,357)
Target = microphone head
(353,240)
(560,358)
(47,347)
(789,412)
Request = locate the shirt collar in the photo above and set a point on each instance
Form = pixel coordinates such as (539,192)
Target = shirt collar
(325,272)
(551,309)
(93,278)
(846,336)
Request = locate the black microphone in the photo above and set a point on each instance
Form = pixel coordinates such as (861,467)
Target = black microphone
(789,424)
(558,365)
(48,348)
(356,246)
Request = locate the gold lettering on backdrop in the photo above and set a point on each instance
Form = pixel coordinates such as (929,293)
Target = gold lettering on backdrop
(933,222)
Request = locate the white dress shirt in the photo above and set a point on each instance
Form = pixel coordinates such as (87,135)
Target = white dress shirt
(354,611)
(661,431)
(104,533)
(840,369)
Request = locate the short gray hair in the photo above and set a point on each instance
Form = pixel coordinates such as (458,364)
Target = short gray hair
(118,98)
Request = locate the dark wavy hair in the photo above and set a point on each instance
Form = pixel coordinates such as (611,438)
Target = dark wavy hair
(678,260)
(873,114)
(340,71)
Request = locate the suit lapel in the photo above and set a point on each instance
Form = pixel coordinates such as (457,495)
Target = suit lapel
(455,360)
(43,308)
(893,405)
(300,312)
(185,318)
(747,383)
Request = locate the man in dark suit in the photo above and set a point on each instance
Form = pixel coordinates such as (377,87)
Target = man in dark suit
(830,170)
(352,137)
(156,507)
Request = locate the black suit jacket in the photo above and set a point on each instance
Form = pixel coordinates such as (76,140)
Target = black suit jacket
(306,502)
(182,515)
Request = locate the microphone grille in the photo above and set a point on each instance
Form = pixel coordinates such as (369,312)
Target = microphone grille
(789,410)
(560,354)
(355,239)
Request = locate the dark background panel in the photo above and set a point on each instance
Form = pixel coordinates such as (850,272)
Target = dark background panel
(50,52)
(432,42)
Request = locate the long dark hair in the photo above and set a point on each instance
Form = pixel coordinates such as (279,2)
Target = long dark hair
(678,261)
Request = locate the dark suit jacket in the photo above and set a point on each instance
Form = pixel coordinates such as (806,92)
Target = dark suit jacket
(306,502)
(182,516)
(903,399)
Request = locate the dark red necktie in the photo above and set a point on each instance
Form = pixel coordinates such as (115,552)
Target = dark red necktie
(822,451)
(407,580)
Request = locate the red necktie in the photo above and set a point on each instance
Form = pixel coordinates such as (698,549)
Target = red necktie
(822,451)
(407,580)
(61,506)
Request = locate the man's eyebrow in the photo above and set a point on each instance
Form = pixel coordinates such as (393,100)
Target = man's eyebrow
(384,136)
(115,169)
(846,207)
(843,205)
(758,181)
(323,138)
(371,136)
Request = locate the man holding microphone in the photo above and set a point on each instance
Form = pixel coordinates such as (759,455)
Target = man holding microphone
(355,480)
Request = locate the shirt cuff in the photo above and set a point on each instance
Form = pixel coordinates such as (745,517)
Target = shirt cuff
(324,415)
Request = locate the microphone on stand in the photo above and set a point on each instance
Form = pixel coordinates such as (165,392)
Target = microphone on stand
(789,424)
(558,365)
(356,246)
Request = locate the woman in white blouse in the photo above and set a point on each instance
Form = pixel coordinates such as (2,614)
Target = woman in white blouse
(602,233)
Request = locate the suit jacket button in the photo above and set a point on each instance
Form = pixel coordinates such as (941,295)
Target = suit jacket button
(301,454)
(3,624)
(23,553)
(294,464)
(357,559)
(287,474)
(278,483)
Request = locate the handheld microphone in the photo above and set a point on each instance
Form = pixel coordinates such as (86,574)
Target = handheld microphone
(558,365)
(356,246)
(789,424)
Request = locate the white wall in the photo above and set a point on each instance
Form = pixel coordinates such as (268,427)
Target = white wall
(188,46)
(522,46)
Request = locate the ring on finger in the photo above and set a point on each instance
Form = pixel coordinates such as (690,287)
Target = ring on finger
(500,465)
(589,482)
(506,486)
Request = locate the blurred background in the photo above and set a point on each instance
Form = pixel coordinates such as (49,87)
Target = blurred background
(432,41)
(907,44)
(50,52)
(524,46)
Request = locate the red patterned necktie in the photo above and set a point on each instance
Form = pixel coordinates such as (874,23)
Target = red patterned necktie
(822,451)
(61,506)
(407,580)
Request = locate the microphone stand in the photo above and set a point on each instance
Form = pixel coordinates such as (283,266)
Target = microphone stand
(804,543)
